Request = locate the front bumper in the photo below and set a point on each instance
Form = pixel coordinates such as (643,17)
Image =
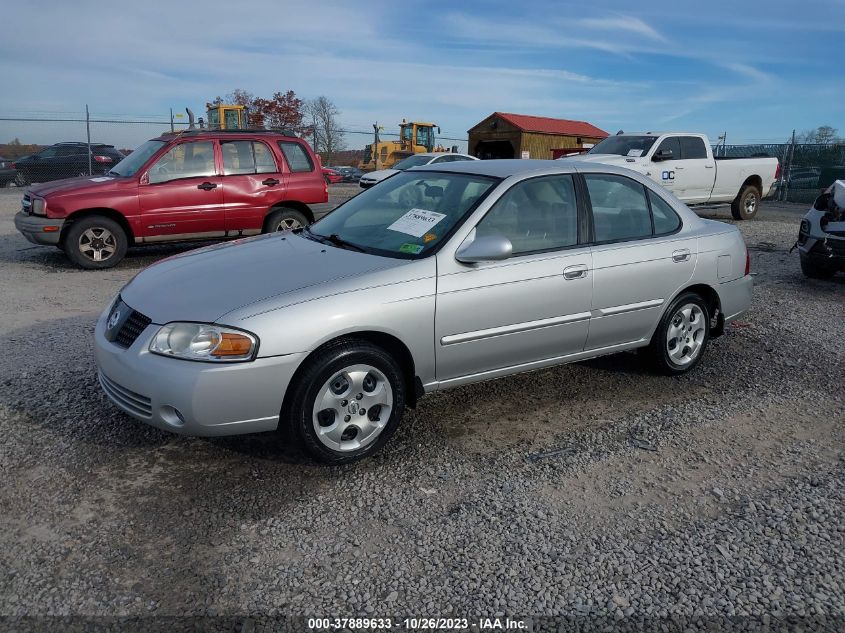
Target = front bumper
(735,297)
(38,229)
(211,399)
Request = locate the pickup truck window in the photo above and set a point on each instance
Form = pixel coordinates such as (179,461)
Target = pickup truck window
(665,219)
(693,147)
(186,160)
(296,156)
(671,144)
(620,209)
(624,145)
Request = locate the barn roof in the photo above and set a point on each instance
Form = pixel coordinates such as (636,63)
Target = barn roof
(548,125)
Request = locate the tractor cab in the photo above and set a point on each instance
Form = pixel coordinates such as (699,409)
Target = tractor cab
(227,117)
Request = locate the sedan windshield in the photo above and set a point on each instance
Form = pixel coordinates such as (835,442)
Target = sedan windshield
(130,165)
(624,145)
(407,216)
(412,161)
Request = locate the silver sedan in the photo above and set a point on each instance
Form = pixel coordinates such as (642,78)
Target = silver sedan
(440,276)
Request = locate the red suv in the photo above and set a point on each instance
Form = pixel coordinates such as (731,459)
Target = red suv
(197,185)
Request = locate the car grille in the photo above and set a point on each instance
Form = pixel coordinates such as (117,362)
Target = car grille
(26,204)
(128,400)
(132,328)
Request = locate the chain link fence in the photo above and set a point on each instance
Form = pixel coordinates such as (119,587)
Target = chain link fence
(807,169)
(50,146)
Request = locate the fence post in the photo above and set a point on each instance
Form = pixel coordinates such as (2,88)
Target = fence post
(172,128)
(88,134)
(790,152)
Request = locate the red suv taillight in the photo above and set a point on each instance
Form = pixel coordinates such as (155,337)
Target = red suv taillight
(103,159)
(777,172)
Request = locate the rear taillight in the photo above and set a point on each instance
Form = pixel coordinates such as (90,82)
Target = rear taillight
(747,262)
(777,172)
(14,166)
(103,159)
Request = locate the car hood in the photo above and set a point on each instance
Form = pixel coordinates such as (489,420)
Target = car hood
(76,185)
(381,174)
(207,283)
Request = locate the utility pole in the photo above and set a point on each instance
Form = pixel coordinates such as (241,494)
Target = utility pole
(376,153)
(88,134)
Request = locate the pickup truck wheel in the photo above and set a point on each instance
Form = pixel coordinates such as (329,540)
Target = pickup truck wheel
(347,402)
(284,220)
(746,204)
(815,271)
(95,242)
(681,337)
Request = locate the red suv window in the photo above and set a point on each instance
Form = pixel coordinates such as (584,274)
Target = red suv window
(296,156)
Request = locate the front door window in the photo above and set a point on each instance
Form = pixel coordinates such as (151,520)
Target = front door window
(186,160)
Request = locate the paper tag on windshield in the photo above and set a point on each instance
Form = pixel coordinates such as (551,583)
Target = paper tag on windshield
(635,153)
(416,222)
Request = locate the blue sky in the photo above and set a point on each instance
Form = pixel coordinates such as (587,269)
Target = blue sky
(754,69)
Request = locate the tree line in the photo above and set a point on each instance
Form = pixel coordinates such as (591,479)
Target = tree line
(315,119)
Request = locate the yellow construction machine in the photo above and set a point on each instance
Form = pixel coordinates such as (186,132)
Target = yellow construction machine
(222,116)
(415,137)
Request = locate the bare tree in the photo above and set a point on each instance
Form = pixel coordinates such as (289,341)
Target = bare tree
(328,137)
(822,135)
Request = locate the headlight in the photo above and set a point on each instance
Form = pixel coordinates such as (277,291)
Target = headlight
(38,206)
(204,342)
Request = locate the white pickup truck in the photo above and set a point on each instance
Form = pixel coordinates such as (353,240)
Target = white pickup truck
(684,164)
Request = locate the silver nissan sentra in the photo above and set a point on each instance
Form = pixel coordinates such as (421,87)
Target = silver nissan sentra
(437,277)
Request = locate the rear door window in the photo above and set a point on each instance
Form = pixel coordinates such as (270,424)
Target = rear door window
(665,219)
(620,208)
(693,147)
(297,158)
(246,157)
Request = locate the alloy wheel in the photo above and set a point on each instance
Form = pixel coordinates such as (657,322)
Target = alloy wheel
(97,244)
(288,224)
(685,335)
(352,408)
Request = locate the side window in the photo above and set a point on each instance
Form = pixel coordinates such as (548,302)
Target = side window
(673,145)
(665,218)
(186,160)
(50,152)
(65,152)
(620,209)
(457,158)
(539,214)
(264,161)
(296,156)
(693,147)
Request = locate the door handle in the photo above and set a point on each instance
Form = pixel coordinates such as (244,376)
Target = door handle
(709,166)
(270,182)
(575,272)
(207,186)
(681,255)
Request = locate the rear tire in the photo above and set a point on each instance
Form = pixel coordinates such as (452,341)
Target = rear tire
(816,271)
(284,219)
(342,380)
(681,337)
(21,180)
(746,204)
(95,242)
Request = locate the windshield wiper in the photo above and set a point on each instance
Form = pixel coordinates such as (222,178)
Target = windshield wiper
(337,240)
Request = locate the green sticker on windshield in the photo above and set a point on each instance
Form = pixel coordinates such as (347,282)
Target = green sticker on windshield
(413,249)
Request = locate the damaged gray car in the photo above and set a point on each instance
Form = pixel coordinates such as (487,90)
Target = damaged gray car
(821,238)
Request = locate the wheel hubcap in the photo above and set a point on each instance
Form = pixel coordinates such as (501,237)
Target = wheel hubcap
(685,335)
(288,224)
(97,244)
(751,204)
(352,408)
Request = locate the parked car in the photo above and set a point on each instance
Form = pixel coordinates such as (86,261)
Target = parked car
(821,237)
(416,160)
(437,277)
(197,185)
(684,164)
(332,177)
(350,174)
(8,173)
(67,160)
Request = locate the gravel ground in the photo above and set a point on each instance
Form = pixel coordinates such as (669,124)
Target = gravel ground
(596,492)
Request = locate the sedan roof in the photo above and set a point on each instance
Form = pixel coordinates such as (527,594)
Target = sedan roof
(502,168)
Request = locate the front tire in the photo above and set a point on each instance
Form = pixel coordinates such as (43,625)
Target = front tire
(816,271)
(347,402)
(746,204)
(21,180)
(95,242)
(284,219)
(681,337)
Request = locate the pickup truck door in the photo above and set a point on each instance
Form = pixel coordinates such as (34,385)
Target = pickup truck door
(699,169)
(670,172)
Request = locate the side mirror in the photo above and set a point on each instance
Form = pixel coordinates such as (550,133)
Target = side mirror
(664,154)
(489,248)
